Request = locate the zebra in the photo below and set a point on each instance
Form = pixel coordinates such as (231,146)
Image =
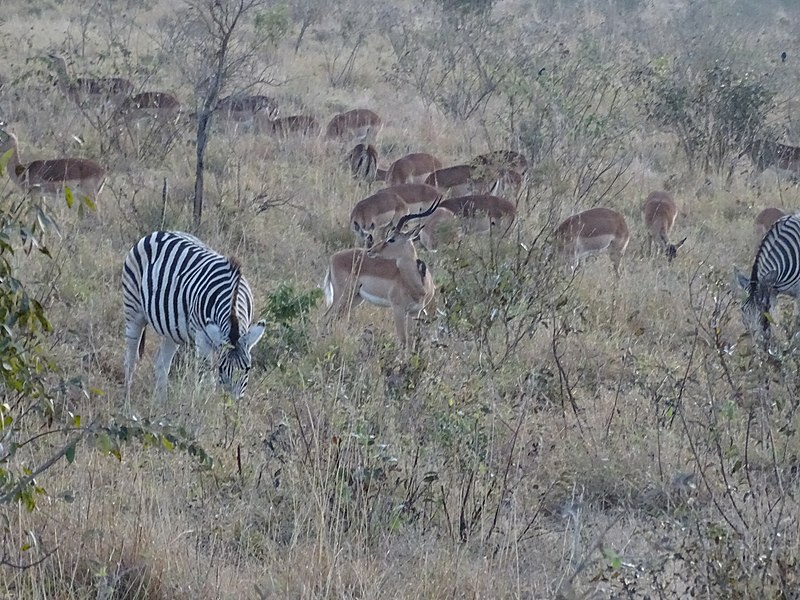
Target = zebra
(185,291)
(776,270)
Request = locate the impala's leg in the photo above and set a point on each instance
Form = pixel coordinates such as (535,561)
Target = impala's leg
(615,253)
(401,324)
(134,345)
(163,363)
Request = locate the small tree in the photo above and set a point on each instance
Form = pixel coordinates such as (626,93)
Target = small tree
(229,40)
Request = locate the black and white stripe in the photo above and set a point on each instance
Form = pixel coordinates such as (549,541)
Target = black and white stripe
(776,270)
(184,290)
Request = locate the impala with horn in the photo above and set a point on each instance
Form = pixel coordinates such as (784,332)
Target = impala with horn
(159,107)
(389,274)
(592,232)
(765,154)
(659,212)
(82,176)
(372,215)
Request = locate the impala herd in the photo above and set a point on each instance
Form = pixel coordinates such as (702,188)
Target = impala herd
(424,200)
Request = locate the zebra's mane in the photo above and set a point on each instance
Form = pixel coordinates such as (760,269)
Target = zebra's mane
(236,267)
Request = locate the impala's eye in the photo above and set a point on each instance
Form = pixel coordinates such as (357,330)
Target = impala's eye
(391,240)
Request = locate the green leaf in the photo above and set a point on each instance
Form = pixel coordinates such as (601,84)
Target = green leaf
(70,454)
(68,196)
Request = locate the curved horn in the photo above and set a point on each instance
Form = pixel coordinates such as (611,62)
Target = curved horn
(406,218)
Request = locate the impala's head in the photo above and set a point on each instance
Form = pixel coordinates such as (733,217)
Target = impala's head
(671,250)
(755,309)
(397,241)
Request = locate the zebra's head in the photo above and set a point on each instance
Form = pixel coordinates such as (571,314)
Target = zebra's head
(232,353)
(755,309)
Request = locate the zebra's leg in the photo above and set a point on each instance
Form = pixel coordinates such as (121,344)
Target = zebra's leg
(163,362)
(134,345)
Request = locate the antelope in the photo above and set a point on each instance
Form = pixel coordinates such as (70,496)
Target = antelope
(766,154)
(481,212)
(389,274)
(502,159)
(147,106)
(357,122)
(82,89)
(659,212)
(241,109)
(766,219)
(52,176)
(283,127)
(508,182)
(363,163)
(384,208)
(591,232)
(440,228)
(412,168)
(456,180)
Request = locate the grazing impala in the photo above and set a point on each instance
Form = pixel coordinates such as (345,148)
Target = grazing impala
(388,274)
(150,106)
(441,227)
(591,232)
(284,127)
(358,122)
(502,159)
(363,162)
(82,176)
(412,168)
(239,108)
(659,212)
(766,154)
(766,219)
(480,213)
(96,89)
(455,181)
(383,209)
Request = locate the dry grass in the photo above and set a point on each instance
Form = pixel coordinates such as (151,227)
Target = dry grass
(620,451)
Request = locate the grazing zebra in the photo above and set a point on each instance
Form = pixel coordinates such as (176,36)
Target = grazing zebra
(776,270)
(186,291)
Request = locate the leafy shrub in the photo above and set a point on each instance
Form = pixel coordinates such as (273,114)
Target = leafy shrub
(714,112)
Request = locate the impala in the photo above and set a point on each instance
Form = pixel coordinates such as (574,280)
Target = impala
(481,212)
(591,232)
(502,159)
(766,219)
(82,89)
(150,106)
(239,108)
(412,168)
(51,176)
(456,180)
(386,207)
(284,127)
(441,227)
(389,274)
(659,212)
(358,122)
(363,162)
(766,154)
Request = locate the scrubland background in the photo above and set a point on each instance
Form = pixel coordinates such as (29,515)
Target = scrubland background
(545,436)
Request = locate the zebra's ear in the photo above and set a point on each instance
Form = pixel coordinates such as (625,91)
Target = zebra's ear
(209,339)
(253,334)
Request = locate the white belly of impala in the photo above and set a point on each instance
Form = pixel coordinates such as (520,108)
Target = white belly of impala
(372,299)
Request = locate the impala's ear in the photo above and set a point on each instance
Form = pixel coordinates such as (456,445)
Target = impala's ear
(414,236)
(209,339)
(681,243)
(253,335)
